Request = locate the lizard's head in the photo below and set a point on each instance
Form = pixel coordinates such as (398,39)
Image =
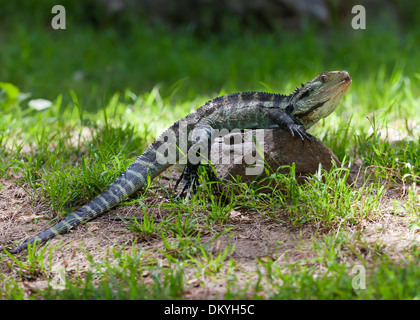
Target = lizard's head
(319,97)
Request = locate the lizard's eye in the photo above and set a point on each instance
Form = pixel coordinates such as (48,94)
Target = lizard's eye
(324,78)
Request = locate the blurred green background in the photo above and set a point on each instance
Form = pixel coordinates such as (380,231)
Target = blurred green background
(199,47)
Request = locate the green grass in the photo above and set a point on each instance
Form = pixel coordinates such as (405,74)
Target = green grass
(385,280)
(111,99)
(121,276)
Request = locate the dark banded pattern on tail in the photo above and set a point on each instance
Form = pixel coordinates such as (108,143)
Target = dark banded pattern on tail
(134,178)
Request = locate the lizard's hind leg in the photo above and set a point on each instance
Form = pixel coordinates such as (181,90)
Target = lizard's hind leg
(199,151)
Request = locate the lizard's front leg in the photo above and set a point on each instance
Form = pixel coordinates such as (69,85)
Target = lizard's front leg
(283,120)
(199,150)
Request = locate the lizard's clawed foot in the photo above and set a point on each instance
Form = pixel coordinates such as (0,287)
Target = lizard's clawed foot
(294,128)
(190,179)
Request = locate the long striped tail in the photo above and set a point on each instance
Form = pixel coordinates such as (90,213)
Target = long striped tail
(134,178)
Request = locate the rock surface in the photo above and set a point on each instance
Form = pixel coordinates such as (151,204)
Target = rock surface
(279,148)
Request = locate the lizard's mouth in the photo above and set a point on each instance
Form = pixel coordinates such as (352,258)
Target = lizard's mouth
(339,86)
(343,84)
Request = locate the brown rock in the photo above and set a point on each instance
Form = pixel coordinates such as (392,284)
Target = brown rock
(279,149)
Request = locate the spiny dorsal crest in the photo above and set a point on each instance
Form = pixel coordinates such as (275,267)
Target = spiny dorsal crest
(297,90)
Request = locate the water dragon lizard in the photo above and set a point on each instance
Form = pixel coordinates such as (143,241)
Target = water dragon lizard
(295,113)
